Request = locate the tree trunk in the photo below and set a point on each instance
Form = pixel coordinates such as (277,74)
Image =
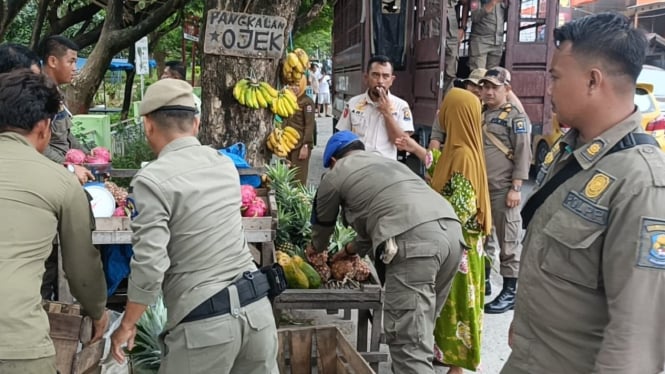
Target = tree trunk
(129,87)
(223,120)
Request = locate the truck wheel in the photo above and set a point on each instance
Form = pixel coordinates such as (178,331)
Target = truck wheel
(541,152)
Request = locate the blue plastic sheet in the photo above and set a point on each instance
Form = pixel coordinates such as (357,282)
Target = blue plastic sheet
(237,154)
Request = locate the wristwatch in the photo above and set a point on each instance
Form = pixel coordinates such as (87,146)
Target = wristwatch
(70,167)
(516,188)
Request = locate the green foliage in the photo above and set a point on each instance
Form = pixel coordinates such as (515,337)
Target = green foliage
(136,151)
(317,36)
(146,354)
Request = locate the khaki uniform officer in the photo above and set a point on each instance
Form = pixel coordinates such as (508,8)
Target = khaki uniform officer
(189,245)
(452,45)
(38,200)
(486,39)
(593,268)
(507,142)
(383,200)
(305,122)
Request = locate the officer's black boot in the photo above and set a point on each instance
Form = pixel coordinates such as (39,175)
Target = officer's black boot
(488,284)
(506,299)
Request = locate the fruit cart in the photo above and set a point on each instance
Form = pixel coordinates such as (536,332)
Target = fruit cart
(260,231)
(321,347)
(367,299)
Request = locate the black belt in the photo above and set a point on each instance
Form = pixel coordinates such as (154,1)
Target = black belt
(252,287)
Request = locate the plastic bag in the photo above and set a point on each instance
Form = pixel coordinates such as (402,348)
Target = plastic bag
(237,153)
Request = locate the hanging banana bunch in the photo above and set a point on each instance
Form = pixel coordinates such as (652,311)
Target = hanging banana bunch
(282,141)
(294,66)
(253,93)
(285,104)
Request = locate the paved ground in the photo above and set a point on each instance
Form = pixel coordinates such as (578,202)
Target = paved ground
(495,349)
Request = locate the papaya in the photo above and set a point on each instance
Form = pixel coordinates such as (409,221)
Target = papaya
(282,258)
(313,276)
(295,277)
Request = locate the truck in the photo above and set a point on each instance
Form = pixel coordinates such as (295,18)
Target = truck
(412,33)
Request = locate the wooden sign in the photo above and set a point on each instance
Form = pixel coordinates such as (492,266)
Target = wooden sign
(244,35)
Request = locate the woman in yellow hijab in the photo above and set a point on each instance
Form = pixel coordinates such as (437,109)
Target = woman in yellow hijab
(461,177)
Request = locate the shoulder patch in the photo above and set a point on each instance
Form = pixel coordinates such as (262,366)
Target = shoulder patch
(346,112)
(652,244)
(596,186)
(520,126)
(309,109)
(407,114)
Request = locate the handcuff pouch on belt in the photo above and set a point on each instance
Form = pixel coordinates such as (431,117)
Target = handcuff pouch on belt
(276,279)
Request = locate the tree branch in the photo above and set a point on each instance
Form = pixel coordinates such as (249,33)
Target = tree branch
(39,24)
(144,27)
(304,20)
(89,37)
(72,18)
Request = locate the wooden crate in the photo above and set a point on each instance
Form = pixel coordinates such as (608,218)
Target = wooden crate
(68,329)
(367,299)
(262,229)
(320,350)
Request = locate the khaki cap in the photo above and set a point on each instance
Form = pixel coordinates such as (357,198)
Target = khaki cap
(476,75)
(497,76)
(168,94)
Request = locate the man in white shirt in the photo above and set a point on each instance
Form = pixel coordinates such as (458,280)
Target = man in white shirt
(377,116)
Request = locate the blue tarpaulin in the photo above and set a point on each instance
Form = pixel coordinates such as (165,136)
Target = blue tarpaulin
(116,64)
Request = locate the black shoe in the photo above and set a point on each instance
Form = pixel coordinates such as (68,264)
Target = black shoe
(506,299)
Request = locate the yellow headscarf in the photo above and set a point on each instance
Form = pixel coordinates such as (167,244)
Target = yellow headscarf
(460,118)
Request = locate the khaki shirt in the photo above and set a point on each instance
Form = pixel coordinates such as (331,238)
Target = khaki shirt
(380,199)
(514,131)
(363,118)
(592,282)
(38,200)
(62,139)
(304,121)
(487,27)
(188,238)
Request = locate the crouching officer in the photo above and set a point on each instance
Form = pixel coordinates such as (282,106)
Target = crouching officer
(189,245)
(403,224)
(507,140)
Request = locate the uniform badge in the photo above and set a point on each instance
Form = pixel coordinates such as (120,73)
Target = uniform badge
(652,244)
(593,149)
(548,159)
(519,127)
(407,114)
(309,109)
(361,105)
(597,185)
(346,112)
(555,148)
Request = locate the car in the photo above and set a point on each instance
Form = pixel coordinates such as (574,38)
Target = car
(653,122)
(655,76)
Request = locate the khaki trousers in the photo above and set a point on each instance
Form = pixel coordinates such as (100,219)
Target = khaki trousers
(241,342)
(506,234)
(483,55)
(417,284)
(303,165)
(44,365)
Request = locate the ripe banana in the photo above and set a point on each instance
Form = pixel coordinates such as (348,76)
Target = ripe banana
(292,59)
(261,101)
(282,141)
(302,56)
(268,88)
(288,130)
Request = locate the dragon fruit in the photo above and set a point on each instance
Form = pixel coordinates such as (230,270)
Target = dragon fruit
(119,212)
(257,208)
(101,153)
(248,194)
(75,156)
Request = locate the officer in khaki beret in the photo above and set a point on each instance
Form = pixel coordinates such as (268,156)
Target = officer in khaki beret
(507,142)
(189,245)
